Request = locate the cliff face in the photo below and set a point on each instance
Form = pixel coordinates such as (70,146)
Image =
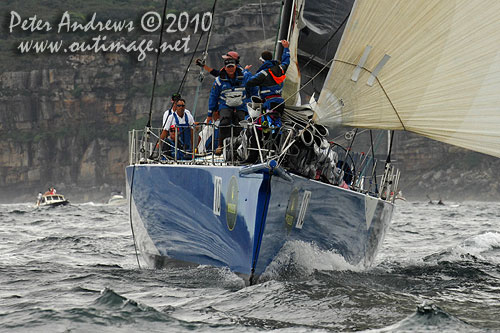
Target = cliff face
(65,122)
(444,171)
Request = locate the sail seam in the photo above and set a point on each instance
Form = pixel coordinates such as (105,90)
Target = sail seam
(381,86)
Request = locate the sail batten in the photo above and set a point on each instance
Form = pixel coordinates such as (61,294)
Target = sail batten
(442,80)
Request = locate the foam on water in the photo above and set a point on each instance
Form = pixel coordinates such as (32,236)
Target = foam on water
(484,247)
(301,258)
(73,268)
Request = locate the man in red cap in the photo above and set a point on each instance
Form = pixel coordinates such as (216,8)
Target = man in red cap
(170,149)
(229,97)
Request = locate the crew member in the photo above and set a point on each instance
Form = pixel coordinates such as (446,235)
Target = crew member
(170,150)
(184,122)
(173,107)
(269,79)
(229,97)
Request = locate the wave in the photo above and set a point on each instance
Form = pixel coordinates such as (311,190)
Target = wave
(301,259)
(109,300)
(480,248)
(18,212)
(429,318)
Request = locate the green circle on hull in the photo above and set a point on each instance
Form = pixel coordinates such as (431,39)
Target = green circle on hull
(232,203)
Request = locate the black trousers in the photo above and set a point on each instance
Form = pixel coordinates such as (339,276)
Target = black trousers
(230,117)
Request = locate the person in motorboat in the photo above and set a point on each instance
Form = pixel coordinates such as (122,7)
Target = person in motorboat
(229,97)
(184,123)
(39,198)
(50,191)
(230,55)
(269,78)
(173,107)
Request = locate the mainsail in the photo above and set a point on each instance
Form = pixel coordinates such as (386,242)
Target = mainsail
(429,67)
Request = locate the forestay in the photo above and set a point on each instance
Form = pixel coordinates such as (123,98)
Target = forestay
(432,67)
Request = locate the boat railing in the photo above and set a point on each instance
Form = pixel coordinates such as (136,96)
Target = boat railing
(355,171)
(147,146)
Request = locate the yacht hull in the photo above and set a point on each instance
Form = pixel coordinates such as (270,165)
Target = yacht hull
(219,216)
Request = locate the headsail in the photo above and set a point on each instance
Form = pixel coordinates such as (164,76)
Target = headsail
(314,29)
(432,67)
(292,83)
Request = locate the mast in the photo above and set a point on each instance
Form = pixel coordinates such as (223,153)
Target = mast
(285,24)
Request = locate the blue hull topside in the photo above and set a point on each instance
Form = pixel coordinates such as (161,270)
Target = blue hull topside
(213,215)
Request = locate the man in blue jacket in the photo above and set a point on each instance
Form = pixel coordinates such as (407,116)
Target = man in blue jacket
(269,79)
(229,97)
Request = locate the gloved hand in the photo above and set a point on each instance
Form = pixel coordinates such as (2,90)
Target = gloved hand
(200,62)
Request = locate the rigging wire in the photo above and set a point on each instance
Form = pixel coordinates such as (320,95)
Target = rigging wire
(262,20)
(181,85)
(156,64)
(130,216)
(201,76)
(374,175)
(390,149)
(305,84)
(311,58)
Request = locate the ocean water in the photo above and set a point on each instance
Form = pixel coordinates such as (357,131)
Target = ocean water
(73,269)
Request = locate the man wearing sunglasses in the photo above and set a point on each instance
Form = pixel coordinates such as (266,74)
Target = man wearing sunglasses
(173,107)
(183,122)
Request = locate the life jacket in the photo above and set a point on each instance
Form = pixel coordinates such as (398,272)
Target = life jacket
(234,93)
(184,130)
(277,78)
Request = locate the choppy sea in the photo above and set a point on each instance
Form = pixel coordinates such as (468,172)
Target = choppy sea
(73,269)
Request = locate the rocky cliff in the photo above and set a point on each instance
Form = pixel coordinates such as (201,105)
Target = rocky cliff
(64,120)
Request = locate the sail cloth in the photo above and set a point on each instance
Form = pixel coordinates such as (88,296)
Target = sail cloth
(314,31)
(292,83)
(442,79)
(325,21)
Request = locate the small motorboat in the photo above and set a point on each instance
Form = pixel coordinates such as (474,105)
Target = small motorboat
(52,200)
(117,199)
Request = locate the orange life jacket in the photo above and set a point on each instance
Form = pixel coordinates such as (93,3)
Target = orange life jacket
(278,79)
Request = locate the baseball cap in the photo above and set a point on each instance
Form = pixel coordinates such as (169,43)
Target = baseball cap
(231,55)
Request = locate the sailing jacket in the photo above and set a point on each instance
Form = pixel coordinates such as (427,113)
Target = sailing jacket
(225,90)
(265,79)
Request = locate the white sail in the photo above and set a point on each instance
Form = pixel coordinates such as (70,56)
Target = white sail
(292,83)
(440,79)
